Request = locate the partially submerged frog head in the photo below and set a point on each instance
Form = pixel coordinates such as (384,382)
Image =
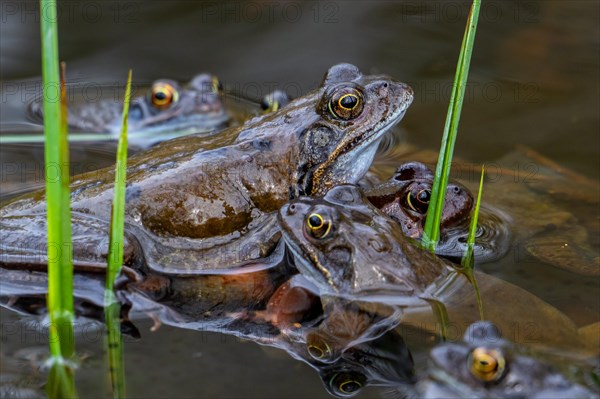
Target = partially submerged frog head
(485,365)
(349,248)
(405,197)
(167,110)
(168,106)
(354,112)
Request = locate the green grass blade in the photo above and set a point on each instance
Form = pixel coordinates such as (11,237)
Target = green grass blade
(431,232)
(115,258)
(56,159)
(115,250)
(468,260)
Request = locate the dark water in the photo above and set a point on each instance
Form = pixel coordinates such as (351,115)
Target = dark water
(533,81)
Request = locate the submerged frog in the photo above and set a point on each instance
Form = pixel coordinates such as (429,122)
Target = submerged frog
(405,198)
(349,249)
(485,365)
(166,111)
(208,205)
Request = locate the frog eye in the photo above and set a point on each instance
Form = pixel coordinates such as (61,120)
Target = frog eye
(317,226)
(418,202)
(346,103)
(487,364)
(163,95)
(346,384)
(217,86)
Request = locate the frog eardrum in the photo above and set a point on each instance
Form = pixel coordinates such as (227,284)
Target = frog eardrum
(163,95)
(346,103)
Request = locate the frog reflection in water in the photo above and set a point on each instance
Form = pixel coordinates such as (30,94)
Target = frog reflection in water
(486,366)
(165,109)
(350,250)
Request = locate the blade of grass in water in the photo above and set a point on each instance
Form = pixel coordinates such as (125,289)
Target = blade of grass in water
(60,268)
(468,260)
(115,259)
(431,232)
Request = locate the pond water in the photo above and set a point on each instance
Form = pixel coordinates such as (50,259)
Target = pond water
(533,81)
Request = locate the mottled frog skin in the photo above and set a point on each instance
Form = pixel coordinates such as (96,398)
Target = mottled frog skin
(350,250)
(405,198)
(198,205)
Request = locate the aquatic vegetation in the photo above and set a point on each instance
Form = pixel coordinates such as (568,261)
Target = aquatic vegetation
(468,261)
(112,307)
(60,267)
(431,232)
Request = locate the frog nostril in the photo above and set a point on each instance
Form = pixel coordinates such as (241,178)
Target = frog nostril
(385,85)
(291,209)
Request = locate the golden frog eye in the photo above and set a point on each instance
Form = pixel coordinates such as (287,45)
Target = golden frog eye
(217,86)
(317,226)
(346,103)
(487,364)
(163,95)
(347,384)
(418,202)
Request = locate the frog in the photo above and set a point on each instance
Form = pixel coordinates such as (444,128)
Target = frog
(349,249)
(208,205)
(543,207)
(485,365)
(405,198)
(167,110)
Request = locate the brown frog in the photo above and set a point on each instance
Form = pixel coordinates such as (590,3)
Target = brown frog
(347,248)
(199,205)
(548,211)
(405,198)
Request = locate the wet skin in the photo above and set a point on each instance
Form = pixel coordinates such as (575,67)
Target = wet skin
(529,201)
(485,365)
(357,258)
(203,205)
(348,249)
(166,108)
(343,244)
(405,198)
